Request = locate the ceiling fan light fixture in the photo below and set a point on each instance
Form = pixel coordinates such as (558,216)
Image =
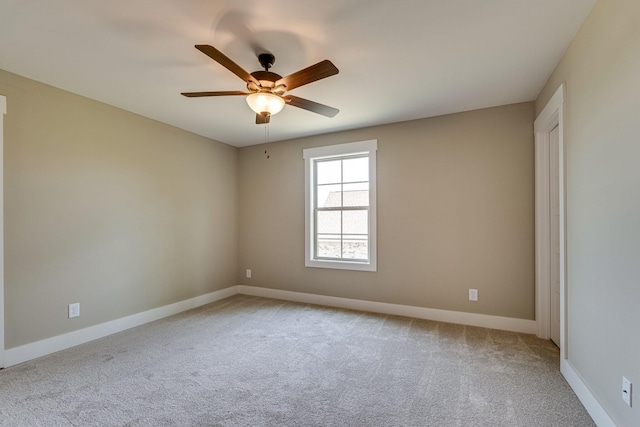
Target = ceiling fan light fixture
(264,102)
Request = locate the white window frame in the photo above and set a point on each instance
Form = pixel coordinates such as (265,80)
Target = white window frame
(341,150)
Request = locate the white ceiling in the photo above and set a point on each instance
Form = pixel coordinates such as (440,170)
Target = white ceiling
(399,60)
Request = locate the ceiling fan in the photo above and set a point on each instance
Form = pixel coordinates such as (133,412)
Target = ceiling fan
(266,89)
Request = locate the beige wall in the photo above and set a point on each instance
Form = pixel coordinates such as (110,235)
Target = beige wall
(107,208)
(601,69)
(455,211)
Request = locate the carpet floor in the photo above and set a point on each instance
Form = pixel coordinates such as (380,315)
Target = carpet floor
(248,361)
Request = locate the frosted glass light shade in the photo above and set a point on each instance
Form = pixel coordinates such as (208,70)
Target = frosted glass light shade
(263,102)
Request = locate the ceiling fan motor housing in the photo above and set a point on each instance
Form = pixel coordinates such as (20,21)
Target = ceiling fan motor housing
(267,81)
(266,78)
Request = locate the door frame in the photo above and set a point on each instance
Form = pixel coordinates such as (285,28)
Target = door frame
(3,111)
(551,116)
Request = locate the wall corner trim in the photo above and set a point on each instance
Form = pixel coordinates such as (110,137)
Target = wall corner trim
(24,353)
(472,319)
(589,401)
(3,111)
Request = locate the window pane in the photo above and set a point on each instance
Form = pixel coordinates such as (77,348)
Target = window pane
(356,170)
(329,246)
(329,222)
(356,194)
(329,196)
(355,222)
(355,247)
(329,172)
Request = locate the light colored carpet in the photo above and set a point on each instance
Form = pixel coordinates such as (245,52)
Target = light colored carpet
(247,361)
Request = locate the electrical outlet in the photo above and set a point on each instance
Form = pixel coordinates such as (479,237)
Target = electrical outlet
(626,391)
(473,295)
(248,273)
(74,310)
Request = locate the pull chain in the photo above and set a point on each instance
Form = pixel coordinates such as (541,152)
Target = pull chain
(266,139)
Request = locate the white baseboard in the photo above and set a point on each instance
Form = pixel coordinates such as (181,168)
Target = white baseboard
(482,320)
(41,348)
(591,404)
(14,356)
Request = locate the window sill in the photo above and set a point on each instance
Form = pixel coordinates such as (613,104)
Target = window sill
(342,265)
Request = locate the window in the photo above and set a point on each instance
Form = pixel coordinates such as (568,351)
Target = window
(340,200)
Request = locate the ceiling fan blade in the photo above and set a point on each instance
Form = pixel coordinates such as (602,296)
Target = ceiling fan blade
(314,107)
(262,119)
(219,93)
(308,75)
(223,60)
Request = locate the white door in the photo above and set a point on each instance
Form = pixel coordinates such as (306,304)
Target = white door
(554,206)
